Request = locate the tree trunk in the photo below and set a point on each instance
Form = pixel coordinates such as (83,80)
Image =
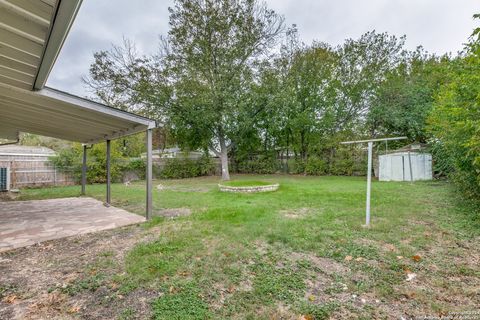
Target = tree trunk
(224,159)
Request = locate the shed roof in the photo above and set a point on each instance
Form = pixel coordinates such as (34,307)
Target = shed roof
(31,36)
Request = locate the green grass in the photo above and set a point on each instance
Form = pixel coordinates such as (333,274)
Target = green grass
(283,254)
(246,183)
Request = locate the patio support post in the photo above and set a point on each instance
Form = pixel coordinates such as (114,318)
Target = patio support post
(149,175)
(369,182)
(107,202)
(84,169)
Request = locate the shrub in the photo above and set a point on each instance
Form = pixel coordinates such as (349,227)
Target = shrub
(315,166)
(261,165)
(186,168)
(296,166)
(138,166)
(70,159)
(341,167)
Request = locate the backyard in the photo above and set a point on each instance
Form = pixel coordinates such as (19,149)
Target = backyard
(298,253)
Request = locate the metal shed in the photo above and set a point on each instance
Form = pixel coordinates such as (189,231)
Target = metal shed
(405,166)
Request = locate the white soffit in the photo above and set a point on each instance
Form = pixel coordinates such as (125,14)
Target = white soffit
(31,35)
(60,115)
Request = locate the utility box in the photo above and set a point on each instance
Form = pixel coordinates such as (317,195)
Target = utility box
(4,179)
(405,166)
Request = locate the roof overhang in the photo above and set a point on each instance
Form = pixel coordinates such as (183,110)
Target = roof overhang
(31,36)
(60,115)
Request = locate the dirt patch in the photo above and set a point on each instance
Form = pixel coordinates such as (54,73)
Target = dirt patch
(295,213)
(9,196)
(173,213)
(325,265)
(37,281)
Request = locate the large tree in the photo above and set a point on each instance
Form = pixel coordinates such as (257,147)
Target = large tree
(406,96)
(213,46)
(455,119)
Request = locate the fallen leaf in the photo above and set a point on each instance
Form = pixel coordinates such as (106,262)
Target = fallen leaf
(406,270)
(416,258)
(411,276)
(311,298)
(73,309)
(359,259)
(231,289)
(10,299)
(171,289)
(348,258)
(306,317)
(399,257)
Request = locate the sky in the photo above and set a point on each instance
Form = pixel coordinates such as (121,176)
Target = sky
(440,26)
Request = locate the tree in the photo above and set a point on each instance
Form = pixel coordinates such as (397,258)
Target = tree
(363,65)
(212,49)
(455,119)
(406,96)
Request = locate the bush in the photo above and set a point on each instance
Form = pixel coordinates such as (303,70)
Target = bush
(261,165)
(138,166)
(70,159)
(186,168)
(341,167)
(315,166)
(296,166)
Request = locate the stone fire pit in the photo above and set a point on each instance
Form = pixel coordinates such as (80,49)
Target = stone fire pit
(248,186)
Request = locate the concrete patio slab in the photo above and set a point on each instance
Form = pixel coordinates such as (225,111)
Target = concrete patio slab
(23,223)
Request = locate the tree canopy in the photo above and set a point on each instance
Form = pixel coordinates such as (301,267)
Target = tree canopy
(232,79)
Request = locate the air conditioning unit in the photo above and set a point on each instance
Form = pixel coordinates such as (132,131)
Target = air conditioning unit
(4,179)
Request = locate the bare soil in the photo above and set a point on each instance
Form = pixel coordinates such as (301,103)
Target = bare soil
(35,280)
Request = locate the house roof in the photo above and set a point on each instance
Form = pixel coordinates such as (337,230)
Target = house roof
(31,36)
(25,150)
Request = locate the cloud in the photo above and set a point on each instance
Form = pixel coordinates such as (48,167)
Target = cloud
(440,26)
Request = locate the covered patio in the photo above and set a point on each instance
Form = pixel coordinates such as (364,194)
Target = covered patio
(31,36)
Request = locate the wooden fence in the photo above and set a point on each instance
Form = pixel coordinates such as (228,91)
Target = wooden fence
(34,171)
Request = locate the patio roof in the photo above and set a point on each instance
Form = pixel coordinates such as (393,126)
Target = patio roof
(57,114)
(31,36)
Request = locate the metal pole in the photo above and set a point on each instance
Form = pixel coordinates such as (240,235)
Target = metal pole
(108,174)
(149,176)
(84,170)
(369,182)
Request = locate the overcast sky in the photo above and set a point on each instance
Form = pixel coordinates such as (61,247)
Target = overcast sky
(440,26)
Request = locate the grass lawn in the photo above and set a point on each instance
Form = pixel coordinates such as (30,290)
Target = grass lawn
(299,252)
